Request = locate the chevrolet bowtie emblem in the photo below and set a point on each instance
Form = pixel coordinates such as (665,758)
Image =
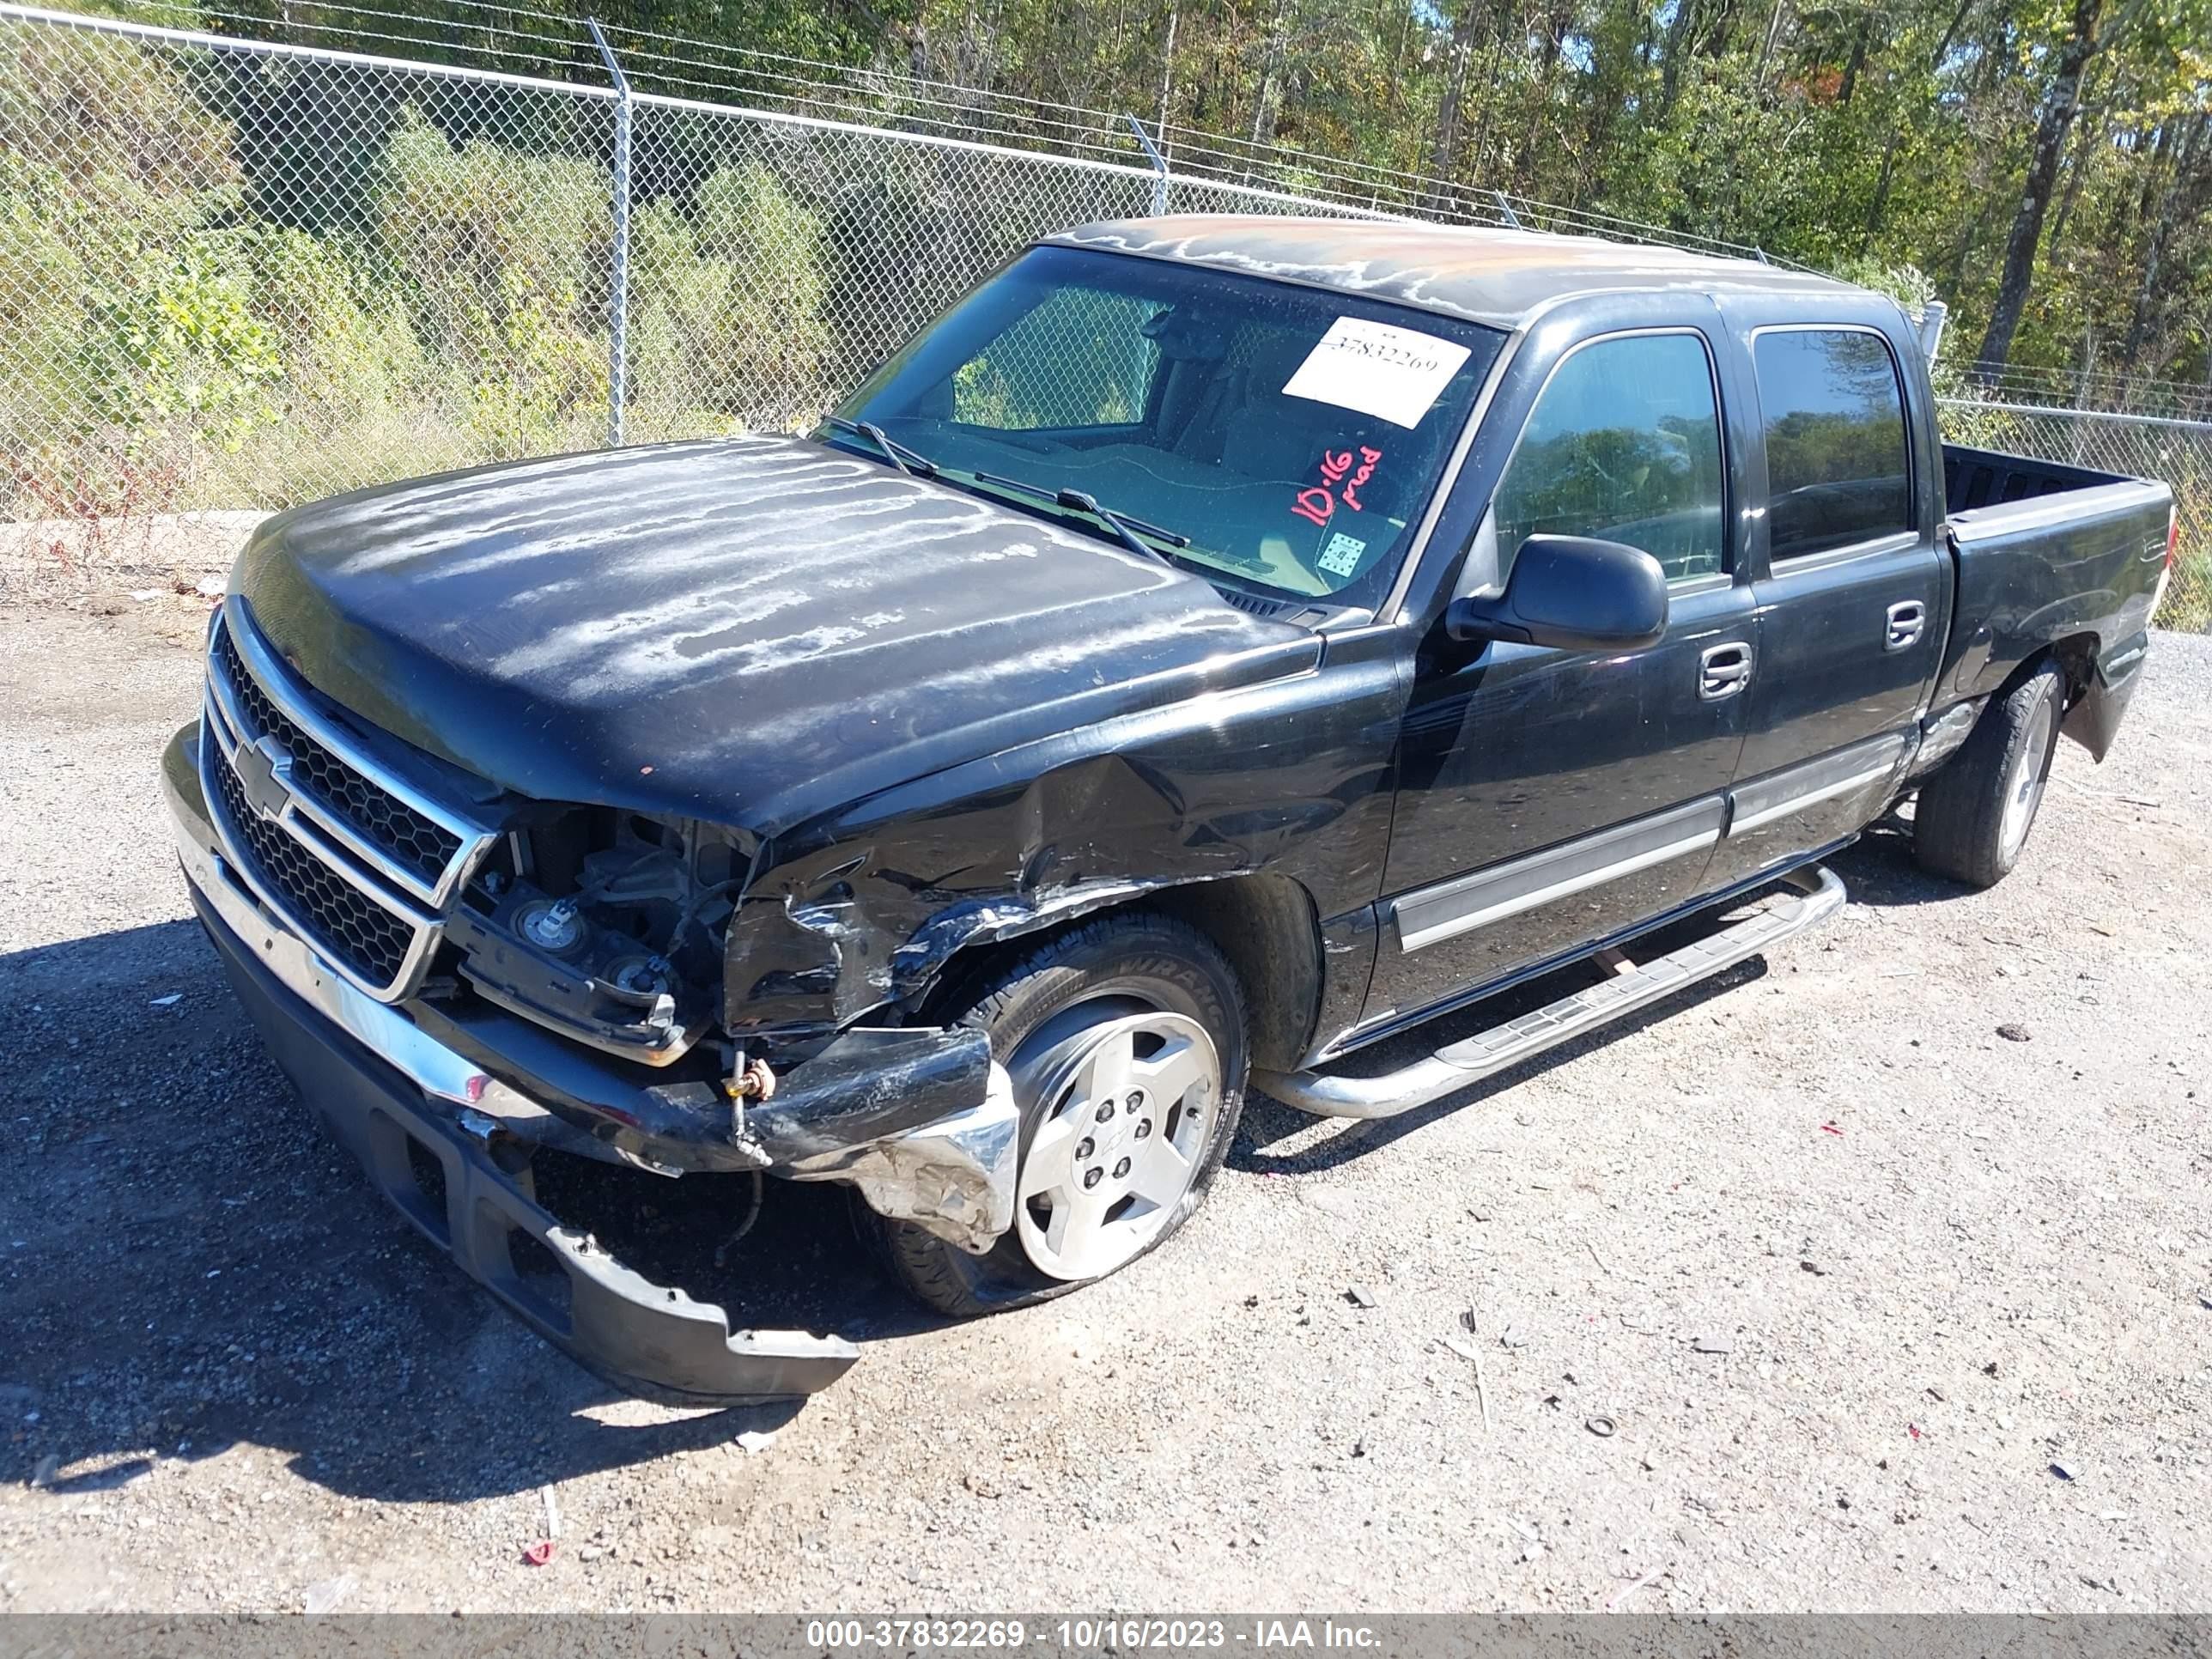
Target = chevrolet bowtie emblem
(265,770)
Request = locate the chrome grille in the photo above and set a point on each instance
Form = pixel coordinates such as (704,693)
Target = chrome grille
(367,937)
(356,860)
(391,824)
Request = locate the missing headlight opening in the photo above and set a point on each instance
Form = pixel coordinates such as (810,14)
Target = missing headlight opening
(606,924)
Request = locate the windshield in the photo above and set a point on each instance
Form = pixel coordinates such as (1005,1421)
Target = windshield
(1292,435)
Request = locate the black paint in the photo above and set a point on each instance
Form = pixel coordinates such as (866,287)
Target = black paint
(935,722)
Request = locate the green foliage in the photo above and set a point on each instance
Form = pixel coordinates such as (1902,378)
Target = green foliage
(126,332)
(498,256)
(249,280)
(173,333)
(1864,138)
(172,339)
(98,121)
(709,335)
(175,339)
(1905,282)
(1829,136)
(2188,606)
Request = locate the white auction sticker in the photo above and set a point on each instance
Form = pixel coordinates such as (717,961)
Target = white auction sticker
(1341,556)
(1393,373)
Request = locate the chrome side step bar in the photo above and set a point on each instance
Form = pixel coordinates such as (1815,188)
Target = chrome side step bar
(1819,895)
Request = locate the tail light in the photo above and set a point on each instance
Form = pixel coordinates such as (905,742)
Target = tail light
(2165,570)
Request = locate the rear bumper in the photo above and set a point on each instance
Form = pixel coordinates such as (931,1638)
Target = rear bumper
(448,1140)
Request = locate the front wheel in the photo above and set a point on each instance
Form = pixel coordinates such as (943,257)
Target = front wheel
(1974,814)
(1125,1043)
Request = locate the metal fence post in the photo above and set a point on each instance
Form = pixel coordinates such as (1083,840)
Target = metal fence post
(618,294)
(1021,193)
(1159,165)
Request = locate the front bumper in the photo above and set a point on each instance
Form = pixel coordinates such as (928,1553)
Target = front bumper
(428,1119)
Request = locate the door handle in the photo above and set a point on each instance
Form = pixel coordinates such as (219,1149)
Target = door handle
(1906,621)
(1724,670)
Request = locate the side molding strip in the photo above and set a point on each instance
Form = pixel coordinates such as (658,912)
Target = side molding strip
(1783,794)
(1467,903)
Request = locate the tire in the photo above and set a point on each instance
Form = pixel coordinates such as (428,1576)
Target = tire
(1975,813)
(1058,1016)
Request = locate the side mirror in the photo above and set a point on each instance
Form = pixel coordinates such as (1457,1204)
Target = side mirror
(1572,592)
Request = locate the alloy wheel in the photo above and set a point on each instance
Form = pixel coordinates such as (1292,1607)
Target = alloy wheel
(1128,1101)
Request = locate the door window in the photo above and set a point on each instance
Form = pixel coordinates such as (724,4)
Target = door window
(1625,445)
(1836,473)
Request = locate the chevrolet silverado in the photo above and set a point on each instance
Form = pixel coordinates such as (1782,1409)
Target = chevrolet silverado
(1213,646)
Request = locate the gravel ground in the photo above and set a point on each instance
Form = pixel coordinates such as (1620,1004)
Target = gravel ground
(1888,1310)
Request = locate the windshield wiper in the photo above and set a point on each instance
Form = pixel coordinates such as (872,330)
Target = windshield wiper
(911,462)
(1132,532)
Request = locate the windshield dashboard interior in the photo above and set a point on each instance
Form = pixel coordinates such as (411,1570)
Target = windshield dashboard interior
(1278,438)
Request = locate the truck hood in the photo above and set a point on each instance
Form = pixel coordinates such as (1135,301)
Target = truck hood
(746,630)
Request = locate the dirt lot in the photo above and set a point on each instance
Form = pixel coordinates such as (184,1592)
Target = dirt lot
(1937,1182)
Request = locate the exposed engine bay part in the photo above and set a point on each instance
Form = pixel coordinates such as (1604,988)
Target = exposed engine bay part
(862,1093)
(607,926)
(432,1132)
(750,1078)
(955,1177)
(752,1216)
(553,925)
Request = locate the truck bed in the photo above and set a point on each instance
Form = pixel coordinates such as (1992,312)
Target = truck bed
(2049,556)
(2056,512)
(1977,478)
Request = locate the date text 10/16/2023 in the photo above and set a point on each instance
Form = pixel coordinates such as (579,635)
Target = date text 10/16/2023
(1085,1634)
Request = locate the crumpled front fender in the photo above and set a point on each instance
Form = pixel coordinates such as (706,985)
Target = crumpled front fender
(864,907)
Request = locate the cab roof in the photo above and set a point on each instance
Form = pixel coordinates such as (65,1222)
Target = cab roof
(1493,277)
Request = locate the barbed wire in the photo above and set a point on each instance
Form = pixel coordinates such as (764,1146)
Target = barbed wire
(2087,389)
(558,44)
(794,239)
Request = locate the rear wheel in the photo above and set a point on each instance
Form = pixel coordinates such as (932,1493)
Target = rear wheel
(1974,815)
(1125,1043)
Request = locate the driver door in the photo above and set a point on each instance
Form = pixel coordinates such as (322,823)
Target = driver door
(1549,799)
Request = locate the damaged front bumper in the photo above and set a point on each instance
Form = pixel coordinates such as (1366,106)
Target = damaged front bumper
(923,1122)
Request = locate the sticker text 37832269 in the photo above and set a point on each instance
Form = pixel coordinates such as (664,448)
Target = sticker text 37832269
(1396,374)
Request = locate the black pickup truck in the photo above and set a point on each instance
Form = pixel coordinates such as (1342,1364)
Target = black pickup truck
(1213,646)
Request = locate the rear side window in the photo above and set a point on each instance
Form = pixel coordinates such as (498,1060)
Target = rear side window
(1625,445)
(1835,468)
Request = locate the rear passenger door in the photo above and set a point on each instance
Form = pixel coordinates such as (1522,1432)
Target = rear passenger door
(1548,798)
(1852,594)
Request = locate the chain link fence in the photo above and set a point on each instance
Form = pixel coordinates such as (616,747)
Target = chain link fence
(238,275)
